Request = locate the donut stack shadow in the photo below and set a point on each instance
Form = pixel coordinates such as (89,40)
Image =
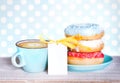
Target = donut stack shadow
(88,52)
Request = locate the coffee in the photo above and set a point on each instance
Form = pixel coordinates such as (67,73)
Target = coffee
(32,55)
(31,44)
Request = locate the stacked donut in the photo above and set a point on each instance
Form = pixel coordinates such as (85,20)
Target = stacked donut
(88,52)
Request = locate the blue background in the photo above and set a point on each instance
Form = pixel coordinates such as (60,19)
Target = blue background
(25,19)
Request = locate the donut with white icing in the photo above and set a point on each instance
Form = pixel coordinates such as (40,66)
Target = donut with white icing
(86,31)
(93,45)
(84,58)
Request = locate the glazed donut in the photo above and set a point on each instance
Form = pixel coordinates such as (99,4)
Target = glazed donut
(86,31)
(94,45)
(84,58)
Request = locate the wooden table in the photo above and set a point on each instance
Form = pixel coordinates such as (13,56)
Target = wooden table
(11,74)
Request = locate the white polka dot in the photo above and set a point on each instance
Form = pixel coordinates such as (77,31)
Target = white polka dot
(44,19)
(17,31)
(3,32)
(106,1)
(44,7)
(114,6)
(17,19)
(31,19)
(37,1)
(31,31)
(107,25)
(100,6)
(9,13)
(58,7)
(118,1)
(106,12)
(114,18)
(114,30)
(93,1)
(93,12)
(114,42)
(10,38)
(64,1)
(51,13)
(37,25)
(3,7)
(10,26)
(37,13)
(23,13)
(9,2)
(72,6)
(79,13)
(58,19)
(51,1)
(3,43)
(86,6)
(17,7)
(107,37)
(23,25)
(64,13)
(78,1)
(3,19)
(30,7)
(45,31)
(107,49)
(23,2)
(10,50)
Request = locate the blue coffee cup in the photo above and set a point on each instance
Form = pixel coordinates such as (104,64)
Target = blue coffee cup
(32,55)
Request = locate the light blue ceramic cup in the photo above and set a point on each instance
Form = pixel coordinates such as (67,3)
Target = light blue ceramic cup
(30,59)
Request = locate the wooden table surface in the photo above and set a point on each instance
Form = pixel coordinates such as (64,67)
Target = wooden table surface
(11,74)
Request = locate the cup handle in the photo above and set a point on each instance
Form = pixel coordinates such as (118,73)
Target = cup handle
(21,60)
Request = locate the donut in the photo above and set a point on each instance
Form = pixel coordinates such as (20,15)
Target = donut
(84,58)
(88,31)
(94,45)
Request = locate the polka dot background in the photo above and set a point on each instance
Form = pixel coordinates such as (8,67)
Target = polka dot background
(26,19)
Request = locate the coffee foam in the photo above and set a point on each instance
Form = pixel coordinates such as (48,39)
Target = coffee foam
(31,44)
